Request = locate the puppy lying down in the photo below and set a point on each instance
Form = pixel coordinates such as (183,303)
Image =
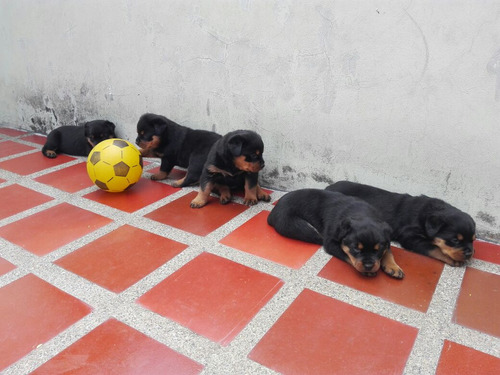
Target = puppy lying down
(347,227)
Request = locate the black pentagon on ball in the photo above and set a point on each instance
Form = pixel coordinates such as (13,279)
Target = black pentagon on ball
(121,169)
(96,156)
(101,185)
(120,143)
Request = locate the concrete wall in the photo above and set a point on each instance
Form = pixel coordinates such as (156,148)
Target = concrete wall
(404,95)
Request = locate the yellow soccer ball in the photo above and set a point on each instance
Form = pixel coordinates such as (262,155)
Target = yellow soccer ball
(114,165)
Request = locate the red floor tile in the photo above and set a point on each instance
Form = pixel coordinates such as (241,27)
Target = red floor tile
(478,303)
(33,312)
(200,221)
(142,194)
(414,291)
(212,296)
(121,258)
(16,198)
(31,163)
(52,228)
(2,180)
(486,251)
(320,335)
(11,132)
(35,138)
(459,359)
(9,148)
(115,348)
(71,179)
(5,266)
(258,238)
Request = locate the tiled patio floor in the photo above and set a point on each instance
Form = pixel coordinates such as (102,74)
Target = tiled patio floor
(139,283)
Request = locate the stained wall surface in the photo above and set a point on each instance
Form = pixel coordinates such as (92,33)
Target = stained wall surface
(404,95)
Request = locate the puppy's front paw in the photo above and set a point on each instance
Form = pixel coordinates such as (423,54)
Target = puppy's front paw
(195,203)
(159,176)
(250,201)
(50,154)
(394,271)
(263,196)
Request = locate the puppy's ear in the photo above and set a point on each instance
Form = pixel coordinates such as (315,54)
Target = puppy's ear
(110,125)
(433,224)
(342,230)
(86,129)
(158,128)
(235,145)
(387,230)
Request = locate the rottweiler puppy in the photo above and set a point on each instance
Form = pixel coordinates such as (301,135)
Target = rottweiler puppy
(421,224)
(157,136)
(77,140)
(233,163)
(347,227)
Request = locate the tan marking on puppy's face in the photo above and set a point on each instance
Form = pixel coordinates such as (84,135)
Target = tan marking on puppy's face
(243,165)
(455,253)
(358,263)
(154,143)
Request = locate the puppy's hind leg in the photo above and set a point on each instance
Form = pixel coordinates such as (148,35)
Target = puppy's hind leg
(297,228)
(52,144)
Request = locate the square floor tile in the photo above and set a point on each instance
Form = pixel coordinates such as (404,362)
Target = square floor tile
(46,231)
(32,312)
(35,138)
(115,348)
(200,221)
(459,359)
(16,198)
(321,335)
(258,238)
(31,163)
(478,303)
(414,291)
(5,266)
(11,132)
(487,251)
(212,296)
(70,179)
(119,259)
(142,194)
(9,148)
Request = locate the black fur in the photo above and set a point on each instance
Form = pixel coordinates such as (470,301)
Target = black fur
(341,224)
(425,225)
(175,145)
(77,140)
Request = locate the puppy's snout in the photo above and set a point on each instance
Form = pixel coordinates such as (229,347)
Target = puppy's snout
(468,252)
(368,265)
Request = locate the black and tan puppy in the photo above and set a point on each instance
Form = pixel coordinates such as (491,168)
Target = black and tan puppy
(157,136)
(347,227)
(421,224)
(77,140)
(234,162)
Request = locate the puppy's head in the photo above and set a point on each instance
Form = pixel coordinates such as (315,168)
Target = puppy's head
(98,130)
(453,232)
(149,129)
(364,241)
(245,147)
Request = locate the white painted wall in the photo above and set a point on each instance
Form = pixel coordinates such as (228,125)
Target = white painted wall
(404,95)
